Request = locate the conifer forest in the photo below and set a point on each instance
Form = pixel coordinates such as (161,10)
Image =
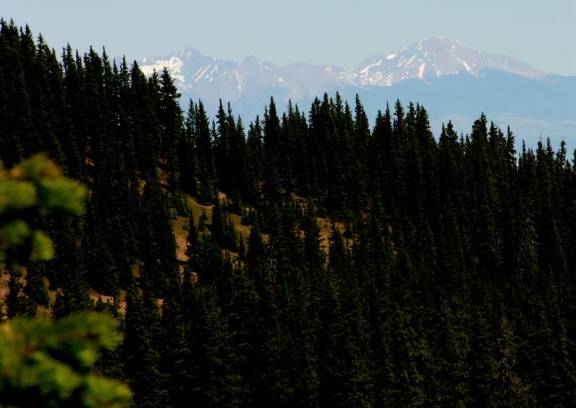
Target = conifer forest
(311,258)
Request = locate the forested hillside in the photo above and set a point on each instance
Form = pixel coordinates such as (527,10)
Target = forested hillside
(445,276)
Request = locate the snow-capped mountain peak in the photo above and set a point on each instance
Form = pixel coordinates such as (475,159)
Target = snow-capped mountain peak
(434,57)
(423,60)
(250,82)
(213,78)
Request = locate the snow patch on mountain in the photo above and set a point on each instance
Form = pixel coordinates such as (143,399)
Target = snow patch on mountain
(173,65)
(435,57)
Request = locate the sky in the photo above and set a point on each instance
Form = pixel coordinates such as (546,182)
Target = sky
(340,32)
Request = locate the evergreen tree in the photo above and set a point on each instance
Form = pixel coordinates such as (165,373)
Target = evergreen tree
(142,359)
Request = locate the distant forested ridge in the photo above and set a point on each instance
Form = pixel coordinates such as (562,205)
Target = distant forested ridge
(311,259)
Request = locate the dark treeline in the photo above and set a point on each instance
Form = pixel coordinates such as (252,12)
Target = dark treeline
(447,278)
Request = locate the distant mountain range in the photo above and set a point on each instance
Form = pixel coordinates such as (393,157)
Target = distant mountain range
(454,82)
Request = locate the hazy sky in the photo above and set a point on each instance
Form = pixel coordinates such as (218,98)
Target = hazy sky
(341,32)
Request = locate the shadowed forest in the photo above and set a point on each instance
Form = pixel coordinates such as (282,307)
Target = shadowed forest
(300,259)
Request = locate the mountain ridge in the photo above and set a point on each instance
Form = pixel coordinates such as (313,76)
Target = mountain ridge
(452,79)
(433,57)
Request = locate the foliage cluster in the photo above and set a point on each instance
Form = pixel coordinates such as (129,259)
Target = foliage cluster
(45,363)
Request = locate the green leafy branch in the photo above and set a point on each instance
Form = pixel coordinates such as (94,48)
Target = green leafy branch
(35,188)
(45,363)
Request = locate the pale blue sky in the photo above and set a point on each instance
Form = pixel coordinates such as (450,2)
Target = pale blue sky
(341,32)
